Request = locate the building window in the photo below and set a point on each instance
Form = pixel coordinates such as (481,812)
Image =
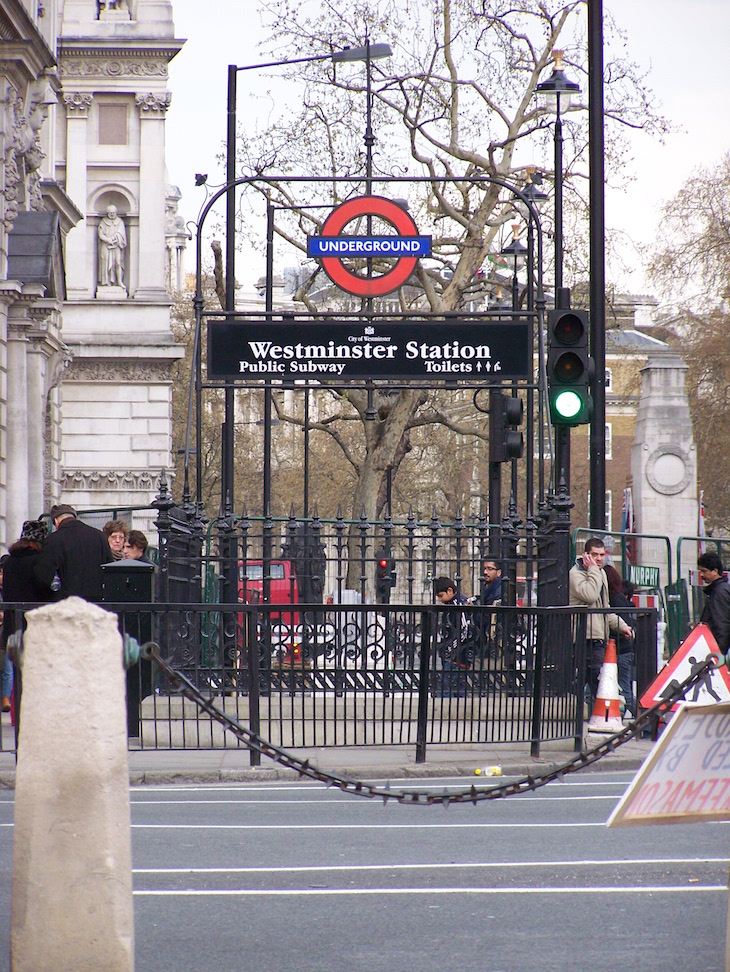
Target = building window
(113,125)
(609,507)
(609,380)
(609,441)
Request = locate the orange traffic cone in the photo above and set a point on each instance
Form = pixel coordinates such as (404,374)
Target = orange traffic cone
(607,710)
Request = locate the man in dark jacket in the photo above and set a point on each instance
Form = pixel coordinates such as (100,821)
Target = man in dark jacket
(71,558)
(493,586)
(487,627)
(716,613)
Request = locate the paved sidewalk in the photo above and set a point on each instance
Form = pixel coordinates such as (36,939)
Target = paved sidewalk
(366,762)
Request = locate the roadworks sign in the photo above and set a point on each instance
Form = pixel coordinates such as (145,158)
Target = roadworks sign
(686,777)
(689,658)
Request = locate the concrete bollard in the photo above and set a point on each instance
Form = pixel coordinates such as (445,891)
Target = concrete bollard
(72,862)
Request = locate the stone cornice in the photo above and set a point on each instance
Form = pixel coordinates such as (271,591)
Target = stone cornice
(22,41)
(116,371)
(124,64)
(108,479)
(55,198)
(134,49)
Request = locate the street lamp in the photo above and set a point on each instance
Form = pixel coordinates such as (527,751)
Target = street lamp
(535,197)
(556,94)
(532,193)
(517,252)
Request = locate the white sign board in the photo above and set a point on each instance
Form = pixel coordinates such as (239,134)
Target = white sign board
(686,777)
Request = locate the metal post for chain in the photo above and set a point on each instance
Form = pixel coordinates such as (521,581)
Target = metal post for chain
(423,685)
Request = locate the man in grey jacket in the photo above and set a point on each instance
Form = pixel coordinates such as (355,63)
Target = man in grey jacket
(589,587)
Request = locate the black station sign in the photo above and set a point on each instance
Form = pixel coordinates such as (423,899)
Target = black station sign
(336,350)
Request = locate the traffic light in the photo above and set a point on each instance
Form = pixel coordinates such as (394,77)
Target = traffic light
(505,439)
(384,575)
(569,367)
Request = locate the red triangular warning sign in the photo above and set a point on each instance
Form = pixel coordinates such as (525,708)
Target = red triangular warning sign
(693,651)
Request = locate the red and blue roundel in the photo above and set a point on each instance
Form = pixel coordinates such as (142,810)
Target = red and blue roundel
(332,247)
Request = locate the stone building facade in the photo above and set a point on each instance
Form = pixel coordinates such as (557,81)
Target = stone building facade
(86,346)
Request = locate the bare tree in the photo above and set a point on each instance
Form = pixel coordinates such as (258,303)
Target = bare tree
(691,261)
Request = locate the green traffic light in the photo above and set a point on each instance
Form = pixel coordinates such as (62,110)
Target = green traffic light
(569,367)
(568,404)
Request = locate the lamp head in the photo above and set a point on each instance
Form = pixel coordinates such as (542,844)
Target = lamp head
(373,51)
(556,92)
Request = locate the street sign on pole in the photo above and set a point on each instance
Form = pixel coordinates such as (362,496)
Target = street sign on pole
(693,651)
(335,350)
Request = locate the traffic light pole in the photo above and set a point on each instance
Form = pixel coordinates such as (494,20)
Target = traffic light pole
(562,457)
(506,443)
(562,302)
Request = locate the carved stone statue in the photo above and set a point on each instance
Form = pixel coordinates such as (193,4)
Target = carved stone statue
(106,7)
(112,244)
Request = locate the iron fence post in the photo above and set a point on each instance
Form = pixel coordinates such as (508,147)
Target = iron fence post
(537,681)
(579,661)
(252,653)
(340,527)
(410,529)
(163,503)
(458,541)
(423,686)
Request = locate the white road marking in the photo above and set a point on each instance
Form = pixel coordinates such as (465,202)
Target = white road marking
(302,869)
(311,892)
(365,826)
(298,803)
(411,784)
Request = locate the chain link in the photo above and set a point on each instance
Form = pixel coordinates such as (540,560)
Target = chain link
(421,797)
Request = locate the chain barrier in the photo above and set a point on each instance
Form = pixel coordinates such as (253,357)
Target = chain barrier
(151,651)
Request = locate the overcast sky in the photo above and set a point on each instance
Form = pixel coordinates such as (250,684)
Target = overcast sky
(684,45)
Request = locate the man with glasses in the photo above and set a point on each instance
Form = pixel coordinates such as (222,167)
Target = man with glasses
(492,582)
(488,627)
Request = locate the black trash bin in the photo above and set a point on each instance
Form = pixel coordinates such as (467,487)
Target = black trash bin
(130,581)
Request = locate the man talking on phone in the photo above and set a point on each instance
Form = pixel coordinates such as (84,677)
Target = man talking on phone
(589,588)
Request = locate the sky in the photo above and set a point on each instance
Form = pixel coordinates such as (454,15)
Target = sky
(682,45)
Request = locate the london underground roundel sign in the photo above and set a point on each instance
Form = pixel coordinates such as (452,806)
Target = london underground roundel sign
(332,246)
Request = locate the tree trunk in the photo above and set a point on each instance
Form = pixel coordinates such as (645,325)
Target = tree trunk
(383,438)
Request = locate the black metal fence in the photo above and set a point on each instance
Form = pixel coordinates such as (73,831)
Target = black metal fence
(315,560)
(365,675)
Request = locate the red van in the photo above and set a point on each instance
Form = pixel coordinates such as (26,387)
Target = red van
(287,627)
(284,589)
